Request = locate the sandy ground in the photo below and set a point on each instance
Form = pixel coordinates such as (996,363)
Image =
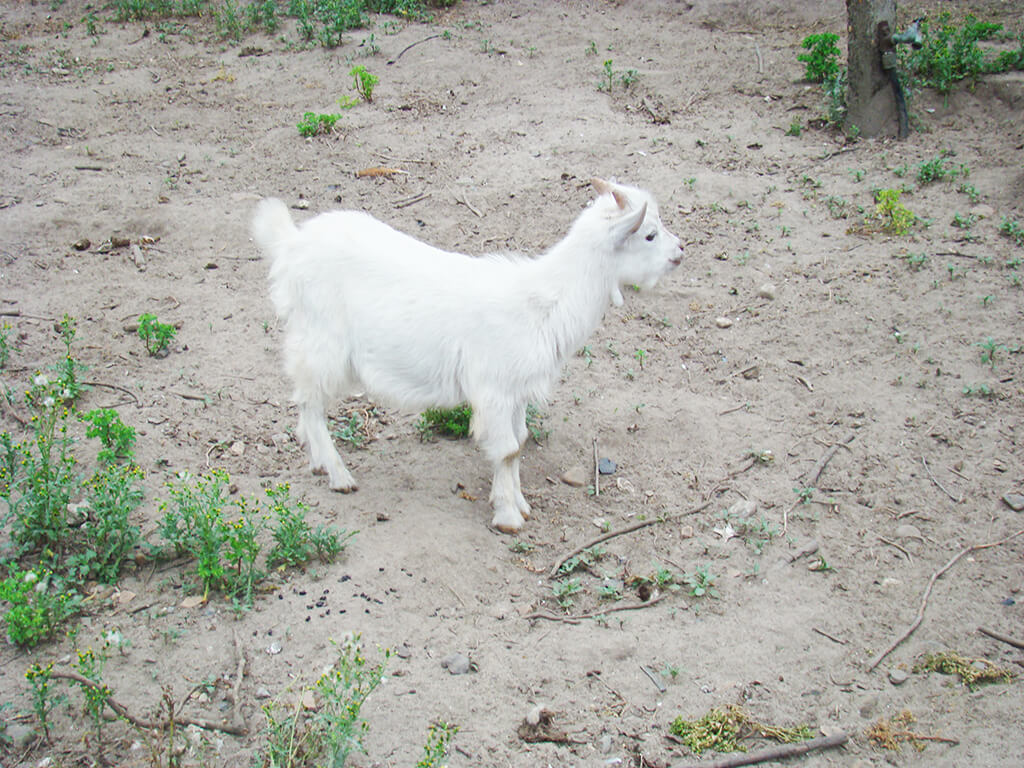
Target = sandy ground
(842,369)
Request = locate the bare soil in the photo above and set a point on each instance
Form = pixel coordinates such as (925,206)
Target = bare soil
(845,376)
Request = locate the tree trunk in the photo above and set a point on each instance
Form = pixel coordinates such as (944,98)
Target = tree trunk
(870,101)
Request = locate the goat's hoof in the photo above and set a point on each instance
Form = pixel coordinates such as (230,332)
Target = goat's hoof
(344,487)
(507,521)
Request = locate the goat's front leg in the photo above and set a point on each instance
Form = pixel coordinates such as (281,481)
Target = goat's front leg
(323,456)
(506,498)
(501,433)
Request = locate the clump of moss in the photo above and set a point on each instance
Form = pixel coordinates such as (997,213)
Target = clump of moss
(972,672)
(722,728)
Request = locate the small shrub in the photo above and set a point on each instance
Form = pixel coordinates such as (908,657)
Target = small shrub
(156,335)
(1012,229)
(895,218)
(446,422)
(822,60)
(38,604)
(313,124)
(363,81)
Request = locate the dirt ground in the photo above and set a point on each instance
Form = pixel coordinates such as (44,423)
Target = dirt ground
(793,351)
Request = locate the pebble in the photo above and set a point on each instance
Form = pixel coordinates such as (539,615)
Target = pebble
(898,676)
(274,648)
(20,735)
(237,448)
(574,476)
(743,508)
(723,322)
(1014,501)
(82,244)
(868,707)
(262,693)
(766,291)
(605,743)
(456,663)
(606,466)
(907,531)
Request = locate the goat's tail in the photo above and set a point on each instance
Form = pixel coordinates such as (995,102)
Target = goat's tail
(271,226)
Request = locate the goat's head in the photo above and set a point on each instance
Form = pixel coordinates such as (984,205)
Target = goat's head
(643,249)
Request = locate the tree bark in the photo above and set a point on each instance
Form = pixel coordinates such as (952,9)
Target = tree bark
(870,101)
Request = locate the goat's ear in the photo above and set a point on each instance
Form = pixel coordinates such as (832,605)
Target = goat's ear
(602,186)
(628,225)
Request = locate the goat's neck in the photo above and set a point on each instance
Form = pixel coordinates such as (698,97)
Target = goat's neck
(584,284)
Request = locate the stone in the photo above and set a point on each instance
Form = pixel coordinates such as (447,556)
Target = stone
(898,676)
(1014,501)
(574,476)
(456,663)
(21,736)
(766,291)
(606,466)
(743,508)
(237,448)
(907,531)
(723,322)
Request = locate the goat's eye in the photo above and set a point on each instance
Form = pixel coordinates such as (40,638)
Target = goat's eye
(651,236)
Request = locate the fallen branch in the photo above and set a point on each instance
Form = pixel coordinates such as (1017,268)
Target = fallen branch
(411,45)
(597,471)
(121,711)
(593,614)
(956,500)
(814,472)
(622,531)
(1001,638)
(897,546)
(780,752)
(928,590)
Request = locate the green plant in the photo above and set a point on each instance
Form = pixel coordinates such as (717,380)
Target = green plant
(972,672)
(722,728)
(1012,229)
(564,590)
(116,436)
(585,559)
(350,430)
(38,604)
(447,422)
(915,260)
(950,53)
(701,582)
(978,390)
(105,538)
(325,737)
(363,81)
(964,222)
(937,169)
(40,680)
(608,77)
(822,60)
(230,23)
(156,335)
(295,541)
(804,495)
(989,348)
(5,344)
(439,736)
(535,424)
(795,127)
(96,693)
(67,368)
(313,124)
(241,549)
(834,88)
(895,218)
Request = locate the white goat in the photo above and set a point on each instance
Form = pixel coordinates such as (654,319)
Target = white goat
(369,308)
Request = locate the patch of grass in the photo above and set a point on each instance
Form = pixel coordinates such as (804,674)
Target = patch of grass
(701,582)
(535,424)
(445,422)
(795,127)
(937,169)
(822,59)
(1012,229)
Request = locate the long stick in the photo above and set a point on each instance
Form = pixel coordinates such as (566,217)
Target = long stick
(931,583)
(121,711)
(1001,638)
(620,532)
(771,753)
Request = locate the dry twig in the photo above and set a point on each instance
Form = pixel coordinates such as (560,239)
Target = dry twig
(928,590)
(780,752)
(956,500)
(1001,638)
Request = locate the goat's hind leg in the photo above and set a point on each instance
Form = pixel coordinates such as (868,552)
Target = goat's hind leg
(323,456)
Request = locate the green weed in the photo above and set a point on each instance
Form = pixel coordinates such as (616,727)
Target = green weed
(822,60)
(937,169)
(795,127)
(363,81)
(439,736)
(44,701)
(90,666)
(313,124)
(446,422)
(1012,229)
(564,591)
(894,217)
(327,735)
(722,728)
(116,436)
(535,424)
(585,559)
(156,335)
(39,603)
(701,582)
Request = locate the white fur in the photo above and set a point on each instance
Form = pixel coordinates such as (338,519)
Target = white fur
(369,308)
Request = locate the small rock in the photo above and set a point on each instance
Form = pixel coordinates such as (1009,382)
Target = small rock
(898,676)
(403,651)
(574,476)
(81,245)
(237,448)
(606,466)
(274,648)
(262,693)
(743,508)
(868,707)
(301,205)
(723,322)
(456,663)
(20,735)
(907,531)
(766,291)
(1014,501)
(983,211)
(605,743)
(308,700)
